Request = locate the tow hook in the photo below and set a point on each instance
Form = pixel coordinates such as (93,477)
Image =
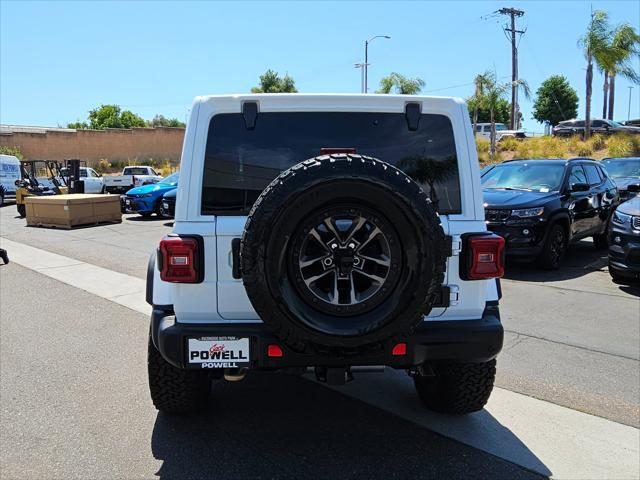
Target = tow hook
(333,375)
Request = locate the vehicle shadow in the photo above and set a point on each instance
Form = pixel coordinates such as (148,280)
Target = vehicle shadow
(279,426)
(140,218)
(581,258)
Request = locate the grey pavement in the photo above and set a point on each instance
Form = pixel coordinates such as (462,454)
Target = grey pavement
(74,405)
(572,336)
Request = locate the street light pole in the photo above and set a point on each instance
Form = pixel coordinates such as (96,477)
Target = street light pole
(361,67)
(629,107)
(366,60)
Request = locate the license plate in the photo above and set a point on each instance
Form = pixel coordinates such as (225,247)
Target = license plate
(218,352)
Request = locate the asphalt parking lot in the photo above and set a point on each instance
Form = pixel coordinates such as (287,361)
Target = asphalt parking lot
(573,339)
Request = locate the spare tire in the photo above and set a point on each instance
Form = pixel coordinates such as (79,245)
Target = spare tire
(342,252)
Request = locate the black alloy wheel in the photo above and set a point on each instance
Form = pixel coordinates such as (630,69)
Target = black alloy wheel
(345,260)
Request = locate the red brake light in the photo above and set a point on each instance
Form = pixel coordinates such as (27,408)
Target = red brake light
(180,260)
(486,257)
(399,350)
(274,351)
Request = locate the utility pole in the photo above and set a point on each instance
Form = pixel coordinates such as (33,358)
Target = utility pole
(361,66)
(629,107)
(513,13)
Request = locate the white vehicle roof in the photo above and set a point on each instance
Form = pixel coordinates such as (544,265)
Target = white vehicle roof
(328,101)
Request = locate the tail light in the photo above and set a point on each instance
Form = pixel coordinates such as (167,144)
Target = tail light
(484,257)
(181,259)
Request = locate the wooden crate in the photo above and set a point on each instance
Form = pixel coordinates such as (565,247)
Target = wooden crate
(68,211)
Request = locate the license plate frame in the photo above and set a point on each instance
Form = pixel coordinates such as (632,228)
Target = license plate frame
(218,352)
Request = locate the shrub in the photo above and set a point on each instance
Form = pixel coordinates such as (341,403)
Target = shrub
(620,146)
(583,149)
(104,165)
(523,150)
(507,144)
(598,142)
(635,144)
(15,151)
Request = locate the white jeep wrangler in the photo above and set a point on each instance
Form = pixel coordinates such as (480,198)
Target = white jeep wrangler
(327,233)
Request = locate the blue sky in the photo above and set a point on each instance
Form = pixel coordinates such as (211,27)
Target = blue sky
(60,59)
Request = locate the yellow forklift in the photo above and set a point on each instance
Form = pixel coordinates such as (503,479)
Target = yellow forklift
(39,177)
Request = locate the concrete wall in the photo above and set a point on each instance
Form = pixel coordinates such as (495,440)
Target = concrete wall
(93,145)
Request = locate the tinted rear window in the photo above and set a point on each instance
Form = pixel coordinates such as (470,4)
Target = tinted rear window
(240,163)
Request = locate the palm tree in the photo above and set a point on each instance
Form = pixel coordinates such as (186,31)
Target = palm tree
(594,43)
(402,84)
(625,46)
(493,92)
(479,83)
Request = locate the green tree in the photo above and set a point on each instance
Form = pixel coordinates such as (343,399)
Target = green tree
(595,44)
(162,121)
(555,101)
(111,116)
(479,114)
(78,125)
(271,82)
(401,84)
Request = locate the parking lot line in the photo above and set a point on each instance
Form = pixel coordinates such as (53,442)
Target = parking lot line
(538,435)
(114,286)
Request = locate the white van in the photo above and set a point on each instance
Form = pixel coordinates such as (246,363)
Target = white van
(9,173)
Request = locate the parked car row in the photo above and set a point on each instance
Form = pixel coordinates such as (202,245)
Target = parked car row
(540,207)
(483,130)
(603,127)
(149,199)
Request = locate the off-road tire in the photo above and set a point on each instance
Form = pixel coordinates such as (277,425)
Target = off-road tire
(320,183)
(457,388)
(548,258)
(174,390)
(22,210)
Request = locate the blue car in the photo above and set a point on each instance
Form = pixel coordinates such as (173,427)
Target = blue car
(147,199)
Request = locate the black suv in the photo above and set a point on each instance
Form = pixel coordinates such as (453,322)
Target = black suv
(625,171)
(604,127)
(540,206)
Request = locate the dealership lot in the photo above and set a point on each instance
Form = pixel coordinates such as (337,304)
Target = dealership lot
(572,339)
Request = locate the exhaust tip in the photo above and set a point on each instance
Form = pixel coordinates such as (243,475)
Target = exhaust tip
(235,374)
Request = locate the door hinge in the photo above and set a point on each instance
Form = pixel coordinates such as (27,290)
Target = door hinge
(449,296)
(454,295)
(454,245)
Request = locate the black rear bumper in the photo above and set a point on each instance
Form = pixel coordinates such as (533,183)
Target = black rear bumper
(449,340)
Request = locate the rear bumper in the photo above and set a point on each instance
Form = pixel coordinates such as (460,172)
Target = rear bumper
(139,204)
(450,340)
